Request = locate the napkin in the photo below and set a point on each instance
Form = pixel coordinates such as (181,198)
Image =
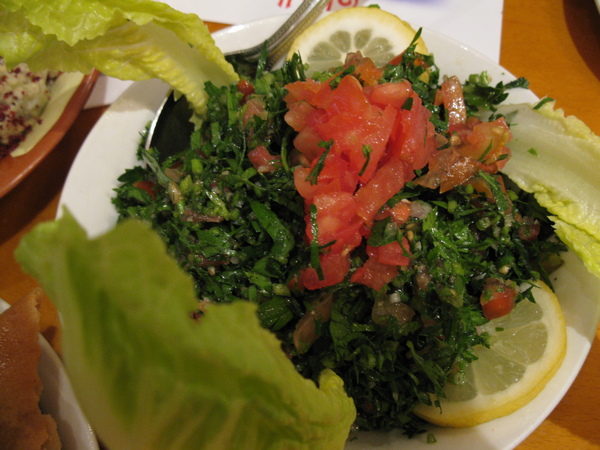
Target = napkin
(477,24)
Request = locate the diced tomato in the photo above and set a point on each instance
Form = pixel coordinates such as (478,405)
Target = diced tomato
(263,161)
(245,87)
(147,186)
(363,138)
(486,143)
(482,187)
(337,222)
(447,169)
(393,253)
(307,142)
(400,212)
(479,146)
(386,182)
(347,97)
(297,114)
(335,211)
(498,297)
(529,229)
(301,91)
(335,176)
(454,101)
(302,183)
(338,168)
(392,94)
(413,138)
(398,59)
(344,115)
(335,266)
(305,333)
(461,170)
(374,274)
(317,116)
(254,107)
(309,190)
(364,69)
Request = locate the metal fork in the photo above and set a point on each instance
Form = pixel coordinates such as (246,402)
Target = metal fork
(171,127)
(278,43)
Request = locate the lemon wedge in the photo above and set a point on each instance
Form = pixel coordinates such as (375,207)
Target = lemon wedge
(377,34)
(527,347)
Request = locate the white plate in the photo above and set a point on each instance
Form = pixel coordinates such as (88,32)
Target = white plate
(110,149)
(58,400)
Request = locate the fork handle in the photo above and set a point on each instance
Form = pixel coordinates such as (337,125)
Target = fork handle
(278,43)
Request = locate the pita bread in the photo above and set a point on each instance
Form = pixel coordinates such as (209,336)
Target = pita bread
(22,423)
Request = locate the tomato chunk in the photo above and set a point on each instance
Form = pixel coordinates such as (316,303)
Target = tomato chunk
(454,101)
(374,274)
(386,182)
(263,161)
(334,266)
(498,297)
(394,253)
(147,186)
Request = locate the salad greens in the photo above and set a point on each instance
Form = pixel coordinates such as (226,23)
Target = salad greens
(148,376)
(556,157)
(129,39)
(238,232)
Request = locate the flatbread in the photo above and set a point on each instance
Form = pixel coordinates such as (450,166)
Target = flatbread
(22,423)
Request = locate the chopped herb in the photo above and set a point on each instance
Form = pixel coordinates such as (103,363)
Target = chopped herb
(367,154)
(314,246)
(407,105)
(313,176)
(542,102)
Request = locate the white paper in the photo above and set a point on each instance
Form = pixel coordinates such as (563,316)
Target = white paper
(477,24)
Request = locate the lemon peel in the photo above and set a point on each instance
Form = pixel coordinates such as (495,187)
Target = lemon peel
(377,34)
(527,347)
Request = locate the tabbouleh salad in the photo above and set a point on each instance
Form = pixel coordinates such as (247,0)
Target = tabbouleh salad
(364,212)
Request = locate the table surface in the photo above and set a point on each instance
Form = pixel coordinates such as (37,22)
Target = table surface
(555,44)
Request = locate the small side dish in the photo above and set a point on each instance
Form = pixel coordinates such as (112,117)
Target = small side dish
(67,96)
(23,96)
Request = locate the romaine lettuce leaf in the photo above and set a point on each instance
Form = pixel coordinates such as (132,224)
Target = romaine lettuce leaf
(129,39)
(149,376)
(557,158)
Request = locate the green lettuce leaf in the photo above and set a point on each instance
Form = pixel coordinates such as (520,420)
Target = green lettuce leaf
(148,375)
(129,39)
(557,158)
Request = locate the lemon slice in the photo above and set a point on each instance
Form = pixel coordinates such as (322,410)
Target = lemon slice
(375,33)
(526,349)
